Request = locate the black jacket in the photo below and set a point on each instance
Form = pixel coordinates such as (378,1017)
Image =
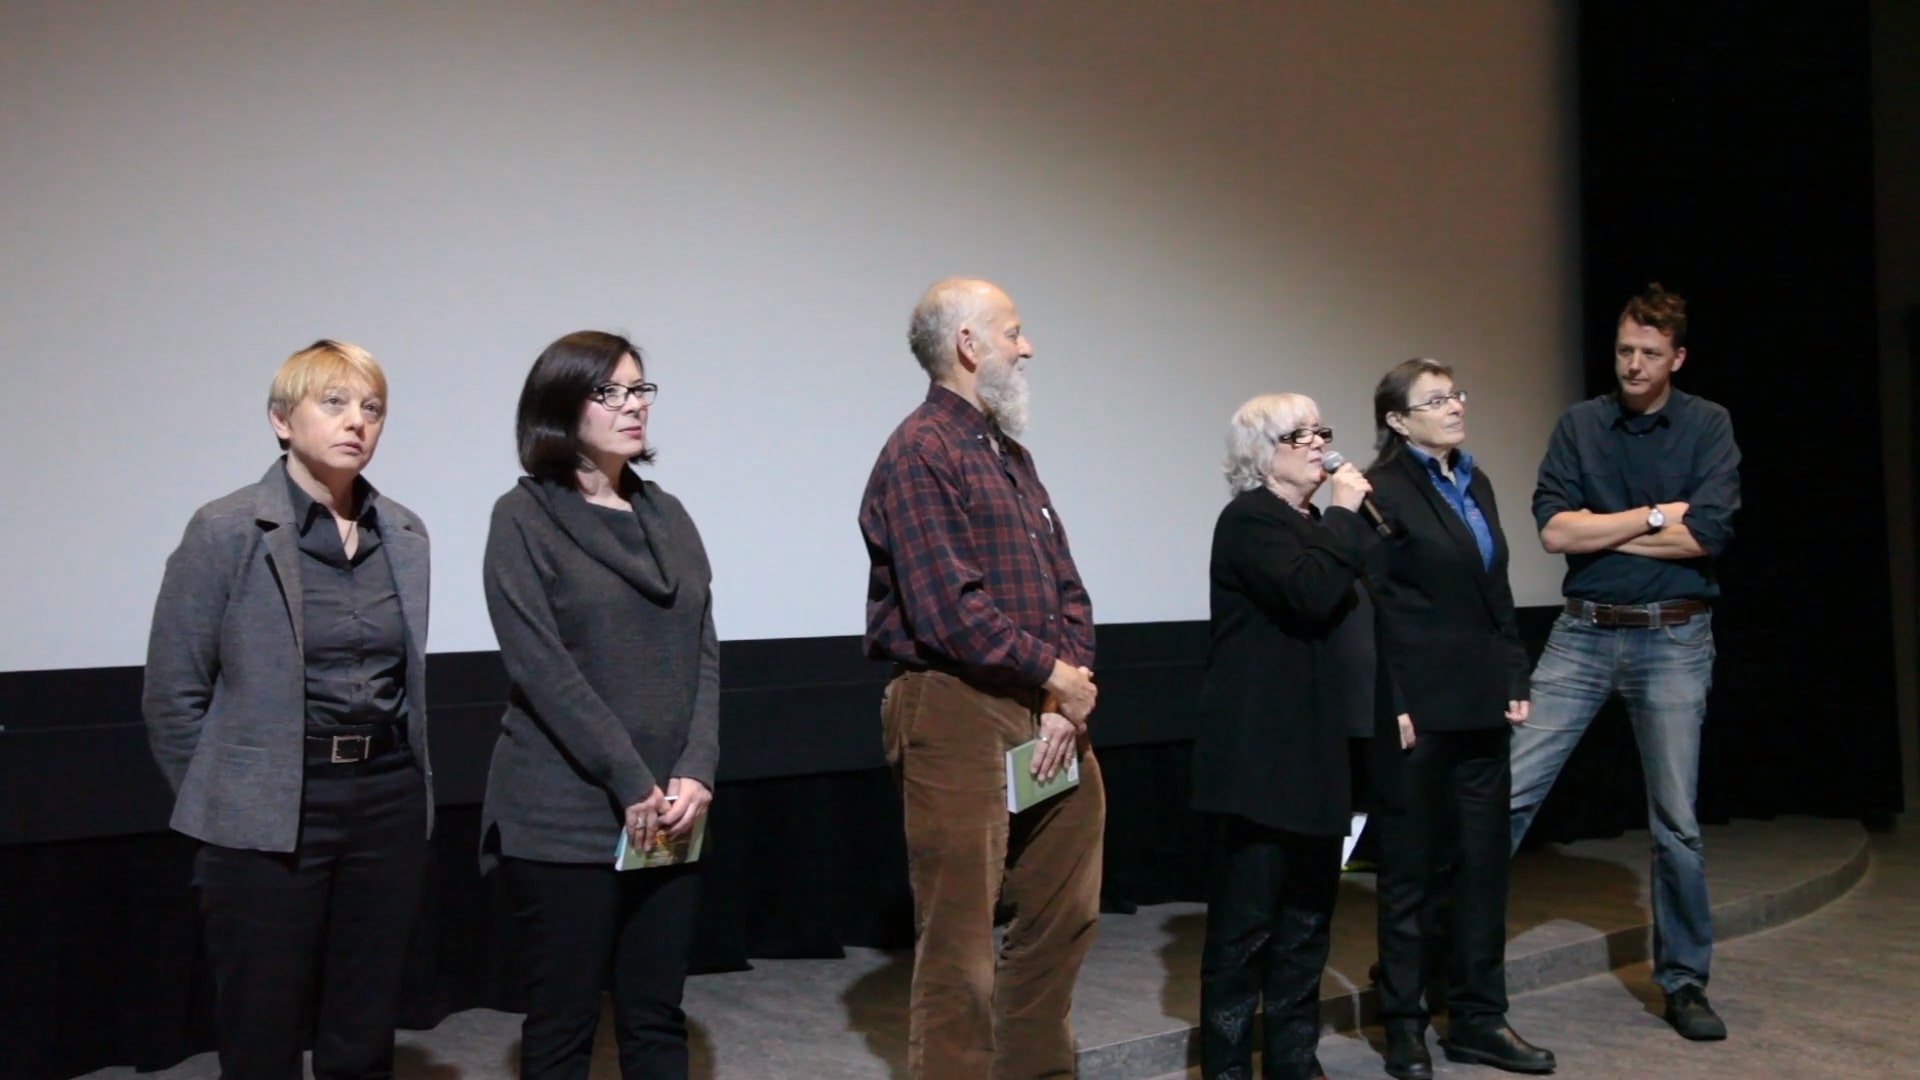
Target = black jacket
(1448,638)
(1272,743)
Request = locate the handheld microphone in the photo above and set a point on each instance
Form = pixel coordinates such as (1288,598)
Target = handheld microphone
(1331,461)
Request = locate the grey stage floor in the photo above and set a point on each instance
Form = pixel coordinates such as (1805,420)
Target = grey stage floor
(1829,995)
(1578,914)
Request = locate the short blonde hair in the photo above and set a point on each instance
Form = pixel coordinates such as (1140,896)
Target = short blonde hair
(1255,430)
(321,366)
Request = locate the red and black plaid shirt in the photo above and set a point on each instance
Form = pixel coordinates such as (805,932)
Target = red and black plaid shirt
(970,562)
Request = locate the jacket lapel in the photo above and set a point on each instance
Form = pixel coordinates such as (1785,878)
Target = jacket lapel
(1482,491)
(1451,521)
(407,554)
(273,513)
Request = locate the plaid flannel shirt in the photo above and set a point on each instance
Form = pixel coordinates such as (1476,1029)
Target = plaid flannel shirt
(971,570)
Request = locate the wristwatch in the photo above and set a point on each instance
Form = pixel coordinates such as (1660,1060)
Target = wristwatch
(1656,519)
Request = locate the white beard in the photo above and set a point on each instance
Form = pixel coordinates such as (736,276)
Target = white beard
(1002,390)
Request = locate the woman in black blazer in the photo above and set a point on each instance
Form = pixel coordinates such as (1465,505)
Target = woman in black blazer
(1457,682)
(1291,658)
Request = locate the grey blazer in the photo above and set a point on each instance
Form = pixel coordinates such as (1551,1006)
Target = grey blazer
(225,692)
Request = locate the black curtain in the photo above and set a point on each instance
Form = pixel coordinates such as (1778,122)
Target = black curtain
(1726,152)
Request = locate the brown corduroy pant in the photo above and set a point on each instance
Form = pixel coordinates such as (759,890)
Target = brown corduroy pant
(974,1015)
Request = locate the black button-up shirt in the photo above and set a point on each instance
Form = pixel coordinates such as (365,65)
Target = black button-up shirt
(356,639)
(1605,459)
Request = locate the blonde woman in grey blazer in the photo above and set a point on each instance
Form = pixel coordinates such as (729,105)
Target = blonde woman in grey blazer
(599,590)
(285,703)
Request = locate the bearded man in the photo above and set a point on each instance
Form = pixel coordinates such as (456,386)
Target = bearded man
(974,598)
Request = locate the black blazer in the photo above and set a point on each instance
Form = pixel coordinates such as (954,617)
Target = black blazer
(1448,639)
(1272,740)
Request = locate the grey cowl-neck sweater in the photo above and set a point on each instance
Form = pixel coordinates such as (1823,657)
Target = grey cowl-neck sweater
(613,662)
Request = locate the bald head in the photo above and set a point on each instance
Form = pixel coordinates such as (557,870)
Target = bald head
(948,307)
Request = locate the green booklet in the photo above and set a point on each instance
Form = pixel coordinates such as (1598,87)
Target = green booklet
(664,851)
(1024,789)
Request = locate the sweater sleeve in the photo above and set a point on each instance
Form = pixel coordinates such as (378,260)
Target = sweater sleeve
(701,759)
(545,673)
(1308,576)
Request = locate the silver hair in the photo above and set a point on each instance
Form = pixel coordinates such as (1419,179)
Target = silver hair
(934,330)
(1254,432)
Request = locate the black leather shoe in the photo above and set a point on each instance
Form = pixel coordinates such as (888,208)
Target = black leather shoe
(1407,1057)
(1497,1045)
(1692,1017)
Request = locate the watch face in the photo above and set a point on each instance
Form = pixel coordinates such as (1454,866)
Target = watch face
(1655,518)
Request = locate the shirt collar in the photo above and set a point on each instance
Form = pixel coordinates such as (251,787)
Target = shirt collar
(953,409)
(307,510)
(1462,461)
(1677,401)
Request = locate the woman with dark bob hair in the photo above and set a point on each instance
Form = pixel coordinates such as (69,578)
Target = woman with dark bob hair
(599,591)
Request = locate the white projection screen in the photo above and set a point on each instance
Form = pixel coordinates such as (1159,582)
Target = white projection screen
(1191,203)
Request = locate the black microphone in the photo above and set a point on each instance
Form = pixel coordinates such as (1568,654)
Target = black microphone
(1331,461)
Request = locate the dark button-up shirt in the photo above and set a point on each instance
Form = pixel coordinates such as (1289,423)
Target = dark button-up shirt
(1457,496)
(970,566)
(356,640)
(1605,459)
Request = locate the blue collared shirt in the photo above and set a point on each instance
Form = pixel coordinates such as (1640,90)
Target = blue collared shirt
(1457,496)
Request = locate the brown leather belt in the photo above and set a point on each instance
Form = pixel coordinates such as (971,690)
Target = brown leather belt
(1664,613)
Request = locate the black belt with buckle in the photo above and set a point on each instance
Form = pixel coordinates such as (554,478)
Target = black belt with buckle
(364,745)
(1664,613)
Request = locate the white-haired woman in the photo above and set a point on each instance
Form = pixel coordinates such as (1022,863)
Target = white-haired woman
(1291,660)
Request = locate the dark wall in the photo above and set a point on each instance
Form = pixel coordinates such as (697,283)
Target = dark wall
(1727,152)
(1896,160)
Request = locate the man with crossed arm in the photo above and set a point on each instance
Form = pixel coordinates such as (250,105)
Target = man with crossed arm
(1638,489)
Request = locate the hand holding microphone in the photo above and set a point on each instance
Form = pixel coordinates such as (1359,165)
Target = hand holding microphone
(1351,491)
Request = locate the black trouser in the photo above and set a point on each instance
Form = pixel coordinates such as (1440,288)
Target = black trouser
(1449,836)
(1269,913)
(581,919)
(335,913)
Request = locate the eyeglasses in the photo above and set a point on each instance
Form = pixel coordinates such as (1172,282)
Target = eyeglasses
(614,396)
(1302,436)
(1438,401)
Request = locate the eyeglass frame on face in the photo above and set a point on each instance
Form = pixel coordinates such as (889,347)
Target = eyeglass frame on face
(1302,437)
(601,394)
(1438,401)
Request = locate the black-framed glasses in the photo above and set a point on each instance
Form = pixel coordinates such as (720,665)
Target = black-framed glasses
(614,395)
(1438,401)
(1302,436)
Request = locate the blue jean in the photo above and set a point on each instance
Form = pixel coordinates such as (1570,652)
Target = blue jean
(1662,674)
